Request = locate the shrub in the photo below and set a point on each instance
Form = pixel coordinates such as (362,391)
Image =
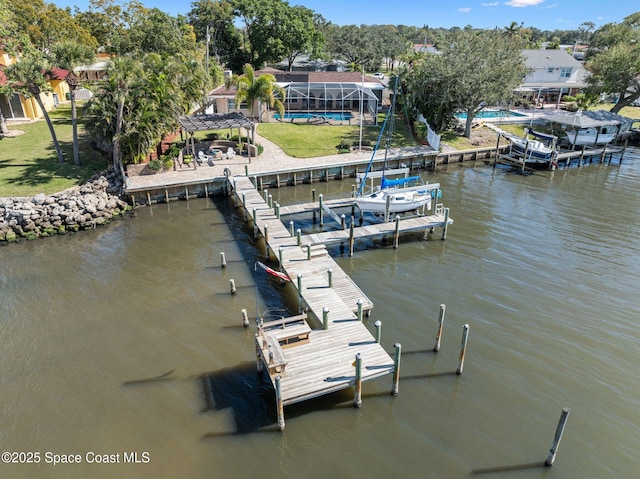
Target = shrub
(155,165)
(344,145)
(167,161)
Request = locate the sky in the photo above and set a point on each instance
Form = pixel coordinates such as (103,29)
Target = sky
(542,14)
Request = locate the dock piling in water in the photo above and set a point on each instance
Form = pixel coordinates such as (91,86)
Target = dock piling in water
(558,436)
(291,230)
(232,286)
(396,235)
(245,318)
(443,308)
(463,348)
(359,304)
(396,369)
(445,224)
(330,277)
(223,260)
(357,399)
(279,404)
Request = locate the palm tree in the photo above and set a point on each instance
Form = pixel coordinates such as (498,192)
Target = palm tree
(27,77)
(123,72)
(68,55)
(252,89)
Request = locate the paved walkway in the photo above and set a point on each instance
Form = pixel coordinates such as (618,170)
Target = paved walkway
(272,159)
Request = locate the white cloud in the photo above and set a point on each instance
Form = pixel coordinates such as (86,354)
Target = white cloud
(464,10)
(555,5)
(523,3)
(493,4)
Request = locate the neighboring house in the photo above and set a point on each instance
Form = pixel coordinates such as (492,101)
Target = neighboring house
(303,63)
(552,74)
(311,92)
(94,72)
(425,48)
(17,107)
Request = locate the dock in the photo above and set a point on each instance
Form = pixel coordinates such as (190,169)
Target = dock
(327,347)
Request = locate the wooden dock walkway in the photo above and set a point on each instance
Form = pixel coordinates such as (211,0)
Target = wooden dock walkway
(323,362)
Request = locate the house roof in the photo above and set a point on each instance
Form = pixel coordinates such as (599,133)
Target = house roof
(215,122)
(320,77)
(550,59)
(587,119)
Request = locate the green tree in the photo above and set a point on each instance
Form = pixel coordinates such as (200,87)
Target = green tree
(614,61)
(225,41)
(69,55)
(252,89)
(476,69)
(30,77)
(359,45)
(298,33)
(46,24)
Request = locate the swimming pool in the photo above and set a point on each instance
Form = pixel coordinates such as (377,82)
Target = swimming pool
(329,115)
(491,114)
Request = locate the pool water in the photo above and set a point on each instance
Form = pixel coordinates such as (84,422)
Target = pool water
(330,115)
(492,114)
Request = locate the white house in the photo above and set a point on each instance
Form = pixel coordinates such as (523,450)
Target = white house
(552,74)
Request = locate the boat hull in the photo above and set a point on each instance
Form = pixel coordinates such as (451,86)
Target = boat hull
(589,137)
(398,202)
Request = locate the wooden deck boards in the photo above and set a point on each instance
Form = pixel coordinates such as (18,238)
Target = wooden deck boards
(324,364)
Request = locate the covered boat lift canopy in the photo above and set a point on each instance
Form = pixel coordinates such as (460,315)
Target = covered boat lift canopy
(598,120)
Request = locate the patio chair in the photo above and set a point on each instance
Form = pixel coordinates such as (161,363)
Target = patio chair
(230,153)
(201,157)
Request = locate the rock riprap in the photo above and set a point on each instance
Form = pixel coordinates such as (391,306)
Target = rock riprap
(87,206)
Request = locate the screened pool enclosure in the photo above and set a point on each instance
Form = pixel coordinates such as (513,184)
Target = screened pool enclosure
(317,98)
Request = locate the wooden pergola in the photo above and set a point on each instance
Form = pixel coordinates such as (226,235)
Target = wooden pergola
(226,121)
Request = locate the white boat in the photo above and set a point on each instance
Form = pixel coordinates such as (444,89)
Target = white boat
(591,136)
(392,195)
(536,152)
(385,200)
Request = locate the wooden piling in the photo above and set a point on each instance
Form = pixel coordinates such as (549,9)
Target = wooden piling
(245,318)
(259,364)
(279,405)
(330,277)
(378,325)
(265,194)
(223,260)
(277,208)
(266,238)
(320,210)
(280,250)
(360,309)
(396,234)
(246,170)
(357,399)
(244,207)
(299,236)
(386,209)
(556,439)
(446,224)
(396,370)
(313,195)
(166,195)
(291,230)
(463,348)
(270,201)
(308,251)
(325,318)
(343,222)
(352,239)
(299,292)
(443,308)
(232,286)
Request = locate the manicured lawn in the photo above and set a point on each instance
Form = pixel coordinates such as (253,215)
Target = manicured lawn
(29,165)
(302,140)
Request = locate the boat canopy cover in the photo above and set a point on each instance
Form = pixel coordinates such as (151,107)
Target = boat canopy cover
(541,136)
(386,183)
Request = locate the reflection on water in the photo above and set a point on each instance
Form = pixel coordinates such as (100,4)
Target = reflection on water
(125,338)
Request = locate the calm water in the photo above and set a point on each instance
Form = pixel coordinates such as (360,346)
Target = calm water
(492,114)
(125,339)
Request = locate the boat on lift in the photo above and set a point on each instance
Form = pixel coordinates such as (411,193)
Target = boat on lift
(393,195)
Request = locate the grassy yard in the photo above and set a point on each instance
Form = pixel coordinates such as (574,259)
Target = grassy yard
(302,140)
(28,162)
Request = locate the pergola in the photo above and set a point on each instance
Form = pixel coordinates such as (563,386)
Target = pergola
(330,96)
(225,121)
